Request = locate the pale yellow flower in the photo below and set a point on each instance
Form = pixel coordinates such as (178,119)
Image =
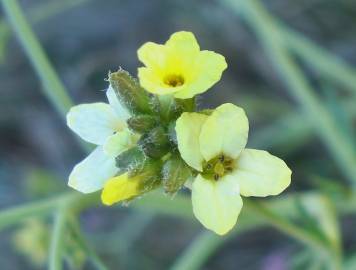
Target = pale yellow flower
(214,145)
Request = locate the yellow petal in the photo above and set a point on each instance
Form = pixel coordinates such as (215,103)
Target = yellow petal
(206,70)
(216,204)
(261,174)
(183,42)
(224,131)
(188,127)
(119,188)
(153,55)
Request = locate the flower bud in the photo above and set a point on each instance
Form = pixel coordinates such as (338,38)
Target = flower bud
(175,173)
(155,143)
(130,159)
(130,93)
(142,123)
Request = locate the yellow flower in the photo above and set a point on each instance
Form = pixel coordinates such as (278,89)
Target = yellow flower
(179,67)
(120,188)
(214,145)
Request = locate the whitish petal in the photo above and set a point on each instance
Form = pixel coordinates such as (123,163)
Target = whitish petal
(224,131)
(188,127)
(261,174)
(91,174)
(94,122)
(216,204)
(119,142)
(119,188)
(114,102)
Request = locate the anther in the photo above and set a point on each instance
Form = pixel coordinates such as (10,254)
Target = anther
(216,177)
(222,158)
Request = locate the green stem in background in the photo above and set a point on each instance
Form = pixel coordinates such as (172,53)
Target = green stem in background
(52,86)
(198,251)
(326,251)
(324,123)
(37,14)
(57,240)
(325,63)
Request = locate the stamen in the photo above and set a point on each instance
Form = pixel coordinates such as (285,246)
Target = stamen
(174,80)
(216,177)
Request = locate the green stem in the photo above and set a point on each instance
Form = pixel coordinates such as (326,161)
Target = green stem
(15,214)
(57,240)
(323,122)
(53,87)
(199,251)
(325,63)
(37,14)
(298,233)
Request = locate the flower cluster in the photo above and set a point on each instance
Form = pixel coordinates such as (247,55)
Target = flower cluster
(152,135)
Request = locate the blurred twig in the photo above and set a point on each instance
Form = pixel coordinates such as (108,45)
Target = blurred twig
(53,87)
(35,15)
(56,247)
(323,122)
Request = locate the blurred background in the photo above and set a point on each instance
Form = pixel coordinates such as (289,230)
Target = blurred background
(84,39)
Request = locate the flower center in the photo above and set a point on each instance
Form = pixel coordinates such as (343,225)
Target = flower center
(218,167)
(174,80)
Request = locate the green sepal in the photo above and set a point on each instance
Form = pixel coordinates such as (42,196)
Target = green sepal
(171,108)
(175,172)
(130,159)
(142,123)
(131,94)
(149,174)
(172,134)
(206,111)
(155,143)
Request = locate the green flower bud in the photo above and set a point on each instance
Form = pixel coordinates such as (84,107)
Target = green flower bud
(130,160)
(175,173)
(131,94)
(142,123)
(155,144)
(171,108)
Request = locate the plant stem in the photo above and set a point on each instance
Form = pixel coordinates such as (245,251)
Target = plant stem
(198,252)
(323,122)
(53,87)
(57,240)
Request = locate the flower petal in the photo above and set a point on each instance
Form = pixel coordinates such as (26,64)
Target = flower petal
(216,204)
(225,131)
(94,122)
(119,142)
(153,55)
(206,70)
(188,127)
(114,102)
(90,174)
(261,174)
(118,189)
(183,42)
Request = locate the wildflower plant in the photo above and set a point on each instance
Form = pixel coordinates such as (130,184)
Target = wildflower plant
(151,135)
